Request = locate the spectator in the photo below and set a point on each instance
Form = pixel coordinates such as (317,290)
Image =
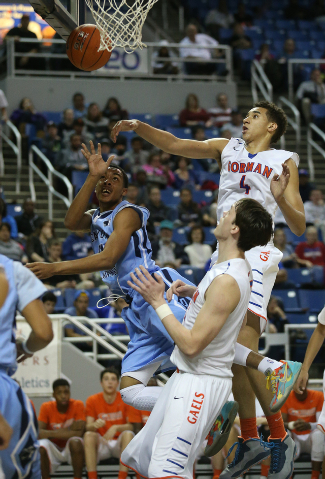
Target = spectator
(188,212)
(221,113)
(305,186)
(239,39)
(197,252)
(28,221)
(194,39)
(79,106)
(164,250)
(315,209)
(289,52)
(10,247)
(49,302)
(79,128)
(72,158)
(158,210)
(235,127)
(120,147)
(219,18)
(162,66)
(157,173)
(271,66)
(95,122)
(23,47)
(8,219)
(113,310)
(59,281)
(61,425)
(26,113)
(289,258)
(132,194)
(242,16)
(184,175)
(37,243)
(281,279)
(65,127)
(51,143)
(114,110)
(136,157)
(108,429)
(75,246)
(311,252)
(3,106)
(276,315)
(312,91)
(193,114)
(80,308)
(300,415)
(141,179)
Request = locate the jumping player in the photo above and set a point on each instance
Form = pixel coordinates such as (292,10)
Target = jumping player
(249,169)
(204,347)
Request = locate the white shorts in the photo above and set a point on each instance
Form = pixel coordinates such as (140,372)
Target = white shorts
(55,454)
(107,449)
(171,439)
(312,443)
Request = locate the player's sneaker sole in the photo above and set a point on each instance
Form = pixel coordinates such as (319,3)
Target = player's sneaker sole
(295,368)
(221,428)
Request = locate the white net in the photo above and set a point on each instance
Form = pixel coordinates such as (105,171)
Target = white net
(120,22)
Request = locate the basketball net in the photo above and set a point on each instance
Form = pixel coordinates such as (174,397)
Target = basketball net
(120,24)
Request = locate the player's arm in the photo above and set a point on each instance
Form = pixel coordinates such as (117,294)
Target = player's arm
(77,428)
(285,189)
(170,143)
(4,286)
(223,291)
(126,223)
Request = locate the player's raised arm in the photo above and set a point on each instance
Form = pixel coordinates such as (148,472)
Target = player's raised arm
(170,143)
(77,218)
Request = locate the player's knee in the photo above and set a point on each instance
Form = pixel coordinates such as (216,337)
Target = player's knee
(90,438)
(75,446)
(129,394)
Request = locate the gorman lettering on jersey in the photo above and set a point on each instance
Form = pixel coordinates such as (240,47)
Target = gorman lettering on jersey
(195,408)
(249,167)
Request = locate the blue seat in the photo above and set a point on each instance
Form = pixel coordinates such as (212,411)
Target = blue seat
(306,25)
(69,297)
(318,111)
(302,53)
(180,235)
(170,197)
(212,133)
(78,178)
(144,117)
(316,35)
(197,165)
(181,132)
(297,35)
(264,24)
(300,276)
(257,43)
(164,121)
(202,195)
(285,24)
(191,273)
(225,34)
(292,238)
(55,116)
(278,45)
(304,45)
(247,55)
(14,210)
(209,236)
(94,296)
(30,130)
(313,300)
(316,53)
(60,300)
(206,175)
(289,298)
(301,318)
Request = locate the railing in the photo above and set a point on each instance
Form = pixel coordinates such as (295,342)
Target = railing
(138,64)
(299,61)
(15,147)
(47,180)
(294,122)
(312,144)
(260,81)
(95,333)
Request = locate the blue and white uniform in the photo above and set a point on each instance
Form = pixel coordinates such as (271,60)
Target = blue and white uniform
(21,459)
(244,175)
(149,343)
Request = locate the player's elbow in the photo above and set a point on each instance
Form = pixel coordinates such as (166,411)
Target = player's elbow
(70,224)
(192,350)
(45,334)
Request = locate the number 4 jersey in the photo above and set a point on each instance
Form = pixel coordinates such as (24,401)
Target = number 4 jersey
(244,175)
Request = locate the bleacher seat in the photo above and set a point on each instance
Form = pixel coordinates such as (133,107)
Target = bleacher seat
(278,45)
(94,296)
(316,53)
(318,110)
(197,165)
(206,175)
(78,178)
(60,300)
(301,318)
(304,45)
(292,238)
(297,35)
(69,296)
(170,197)
(144,117)
(209,236)
(180,235)
(289,298)
(55,116)
(191,273)
(202,195)
(316,35)
(300,276)
(164,121)
(313,300)
(14,210)
(307,25)
(264,24)
(247,55)
(180,132)
(285,24)
(212,133)
(225,34)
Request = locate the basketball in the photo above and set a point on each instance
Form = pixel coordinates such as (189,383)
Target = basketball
(82,48)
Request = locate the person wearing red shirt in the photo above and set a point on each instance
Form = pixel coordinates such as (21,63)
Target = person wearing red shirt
(300,414)
(61,426)
(311,251)
(108,428)
(193,114)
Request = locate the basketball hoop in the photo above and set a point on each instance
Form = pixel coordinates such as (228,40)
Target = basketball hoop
(120,23)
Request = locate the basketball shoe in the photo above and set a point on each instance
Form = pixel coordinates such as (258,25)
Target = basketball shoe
(221,428)
(282,381)
(283,452)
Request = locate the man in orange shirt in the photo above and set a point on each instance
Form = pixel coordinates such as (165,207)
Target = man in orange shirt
(300,414)
(61,426)
(108,429)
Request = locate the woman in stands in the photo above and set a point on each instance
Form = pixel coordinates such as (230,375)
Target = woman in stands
(37,243)
(198,252)
(193,114)
(26,113)
(114,111)
(184,175)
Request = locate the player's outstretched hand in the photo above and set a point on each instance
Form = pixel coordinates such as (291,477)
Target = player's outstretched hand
(97,166)
(301,383)
(123,125)
(42,270)
(152,290)
(181,290)
(280,182)
(6,432)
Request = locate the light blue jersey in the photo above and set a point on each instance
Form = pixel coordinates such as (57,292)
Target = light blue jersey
(21,458)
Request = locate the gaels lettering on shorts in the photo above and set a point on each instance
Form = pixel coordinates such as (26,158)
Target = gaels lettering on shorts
(265,255)
(249,167)
(195,408)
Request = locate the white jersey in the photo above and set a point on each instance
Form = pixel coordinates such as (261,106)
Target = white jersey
(217,358)
(244,175)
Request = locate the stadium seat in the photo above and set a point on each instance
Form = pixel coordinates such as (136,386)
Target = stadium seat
(307,25)
(278,45)
(318,110)
(197,165)
(78,178)
(212,133)
(180,235)
(170,197)
(247,55)
(209,236)
(316,53)
(164,121)
(206,175)
(297,35)
(69,297)
(264,24)
(225,34)
(285,24)
(304,45)
(180,132)
(316,35)
(313,300)
(55,116)
(292,238)
(144,117)
(300,276)
(202,195)
(94,296)
(14,210)
(60,302)
(191,273)
(289,298)
(301,318)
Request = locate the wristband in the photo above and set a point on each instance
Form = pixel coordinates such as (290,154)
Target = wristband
(291,425)
(163,311)
(25,348)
